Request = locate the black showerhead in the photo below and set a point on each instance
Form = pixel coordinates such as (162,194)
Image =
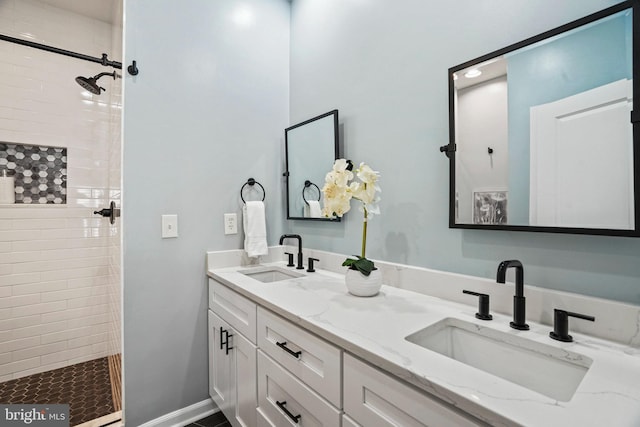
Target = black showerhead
(91,83)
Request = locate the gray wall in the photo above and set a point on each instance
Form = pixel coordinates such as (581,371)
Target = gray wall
(206,112)
(384,64)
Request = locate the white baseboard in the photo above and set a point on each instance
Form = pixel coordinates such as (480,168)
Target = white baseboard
(183,416)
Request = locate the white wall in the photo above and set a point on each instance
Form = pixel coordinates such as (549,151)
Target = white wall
(384,65)
(207,111)
(481,123)
(59,302)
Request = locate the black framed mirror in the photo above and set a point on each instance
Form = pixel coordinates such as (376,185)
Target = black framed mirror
(311,147)
(542,132)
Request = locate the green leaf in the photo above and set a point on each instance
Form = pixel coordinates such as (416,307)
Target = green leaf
(361,264)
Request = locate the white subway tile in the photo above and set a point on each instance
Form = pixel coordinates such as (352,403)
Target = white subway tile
(19,322)
(39,350)
(34,288)
(38,330)
(37,224)
(17,235)
(41,308)
(70,355)
(20,344)
(66,335)
(39,369)
(19,301)
(75,313)
(19,279)
(66,294)
(21,365)
(88,301)
(5,358)
(16,257)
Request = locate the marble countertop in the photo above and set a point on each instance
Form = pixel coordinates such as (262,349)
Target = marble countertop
(374,329)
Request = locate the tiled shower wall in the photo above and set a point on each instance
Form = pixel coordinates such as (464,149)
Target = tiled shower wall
(60,265)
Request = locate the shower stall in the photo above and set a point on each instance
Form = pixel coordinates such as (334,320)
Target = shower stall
(60,263)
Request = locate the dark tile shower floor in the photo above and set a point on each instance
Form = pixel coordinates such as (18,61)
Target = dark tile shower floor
(86,387)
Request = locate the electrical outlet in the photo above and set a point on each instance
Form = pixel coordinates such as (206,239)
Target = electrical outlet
(169,226)
(230,223)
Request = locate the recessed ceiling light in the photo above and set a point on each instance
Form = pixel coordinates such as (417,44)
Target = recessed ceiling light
(474,72)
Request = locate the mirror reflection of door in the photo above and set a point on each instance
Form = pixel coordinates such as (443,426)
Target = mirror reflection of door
(581,160)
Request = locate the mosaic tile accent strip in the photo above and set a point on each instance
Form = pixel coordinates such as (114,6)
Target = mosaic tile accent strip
(84,386)
(40,172)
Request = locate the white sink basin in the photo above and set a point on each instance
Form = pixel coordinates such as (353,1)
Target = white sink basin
(548,370)
(267,274)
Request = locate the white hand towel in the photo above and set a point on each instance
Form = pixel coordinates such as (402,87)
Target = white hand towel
(255,229)
(314,209)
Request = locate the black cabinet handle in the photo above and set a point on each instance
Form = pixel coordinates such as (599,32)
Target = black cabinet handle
(225,342)
(283,345)
(294,418)
(222,331)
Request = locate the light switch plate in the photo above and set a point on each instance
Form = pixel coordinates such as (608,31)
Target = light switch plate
(169,226)
(230,223)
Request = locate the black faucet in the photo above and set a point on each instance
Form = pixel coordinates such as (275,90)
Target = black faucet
(295,236)
(519,311)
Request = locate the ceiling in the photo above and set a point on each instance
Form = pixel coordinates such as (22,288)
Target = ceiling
(103,10)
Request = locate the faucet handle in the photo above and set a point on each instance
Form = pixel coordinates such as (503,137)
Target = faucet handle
(290,264)
(483,305)
(561,324)
(310,268)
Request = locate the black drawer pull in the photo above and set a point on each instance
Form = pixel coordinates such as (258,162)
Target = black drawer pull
(222,342)
(283,345)
(225,342)
(295,418)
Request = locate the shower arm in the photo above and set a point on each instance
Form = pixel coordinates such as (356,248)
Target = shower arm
(97,76)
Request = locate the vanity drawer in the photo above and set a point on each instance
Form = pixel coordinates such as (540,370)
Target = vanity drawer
(235,309)
(280,392)
(313,360)
(374,398)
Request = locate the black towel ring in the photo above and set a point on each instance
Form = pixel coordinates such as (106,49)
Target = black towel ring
(252,182)
(308,184)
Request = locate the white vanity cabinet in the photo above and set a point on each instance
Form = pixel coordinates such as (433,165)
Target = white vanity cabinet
(267,371)
(374,398)
(232,355)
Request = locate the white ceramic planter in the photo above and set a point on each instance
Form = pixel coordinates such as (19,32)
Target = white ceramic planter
(363,286)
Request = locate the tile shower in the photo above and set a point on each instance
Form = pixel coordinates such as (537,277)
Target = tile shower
(60,300)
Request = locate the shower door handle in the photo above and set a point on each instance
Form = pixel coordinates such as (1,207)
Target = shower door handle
(111,212)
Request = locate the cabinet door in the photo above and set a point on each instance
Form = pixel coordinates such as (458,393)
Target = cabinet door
(374,398)
(221,372)
(243,357)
